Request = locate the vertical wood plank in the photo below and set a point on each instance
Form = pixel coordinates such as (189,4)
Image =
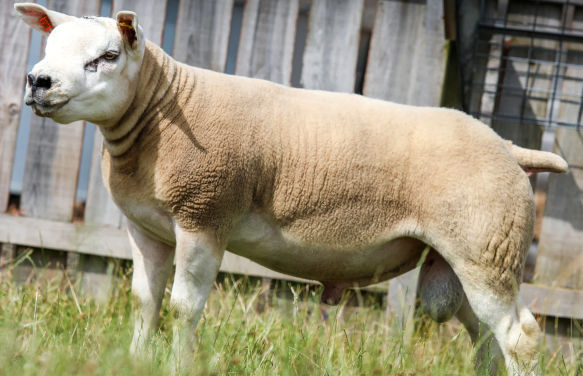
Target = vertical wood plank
(401,300)
(560,253)
(50,174)
(14,44)
(407,56)
(267,40)
(54,151)
(332,45)
(202,33)
(100,208)
(6,256)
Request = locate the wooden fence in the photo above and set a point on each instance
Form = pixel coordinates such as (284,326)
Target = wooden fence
(405,59)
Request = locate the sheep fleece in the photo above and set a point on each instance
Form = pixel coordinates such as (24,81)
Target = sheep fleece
(328,168)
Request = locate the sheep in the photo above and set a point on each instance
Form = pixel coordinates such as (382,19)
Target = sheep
(332,187)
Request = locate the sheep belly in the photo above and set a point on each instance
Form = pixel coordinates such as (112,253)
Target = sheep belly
(261,240)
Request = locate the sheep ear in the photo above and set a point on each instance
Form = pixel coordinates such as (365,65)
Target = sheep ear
(127,24)
(40,18)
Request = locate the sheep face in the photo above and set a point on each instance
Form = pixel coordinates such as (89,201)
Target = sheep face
(90,68)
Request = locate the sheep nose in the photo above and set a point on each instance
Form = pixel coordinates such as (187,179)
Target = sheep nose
(41,81)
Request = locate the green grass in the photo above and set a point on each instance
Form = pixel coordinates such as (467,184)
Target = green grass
(44,332)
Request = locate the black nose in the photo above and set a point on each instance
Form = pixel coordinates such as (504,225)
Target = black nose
(41,81)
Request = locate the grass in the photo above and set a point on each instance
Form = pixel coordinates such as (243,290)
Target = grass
(47,330)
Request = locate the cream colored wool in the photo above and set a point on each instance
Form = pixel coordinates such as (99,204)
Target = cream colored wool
(332,187)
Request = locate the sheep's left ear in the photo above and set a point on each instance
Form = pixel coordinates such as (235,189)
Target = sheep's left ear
(40,18)
(131,33)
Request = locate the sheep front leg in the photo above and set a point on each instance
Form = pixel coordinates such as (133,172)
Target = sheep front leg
(198,258)
(152,267)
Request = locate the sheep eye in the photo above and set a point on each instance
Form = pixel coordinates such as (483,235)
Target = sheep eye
(110,56)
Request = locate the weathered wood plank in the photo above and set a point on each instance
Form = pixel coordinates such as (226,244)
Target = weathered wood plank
(54,150)
(100,208)
(560,254)
(267,40)
(401,297)
(151,16)
(549,301)
(41,266)
(332,45)
(202,33)
(43,233)
(97,278)
(50,174)
(14,44)
(407,56)
(6,255)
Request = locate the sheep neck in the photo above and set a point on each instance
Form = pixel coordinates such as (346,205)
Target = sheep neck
(157,90)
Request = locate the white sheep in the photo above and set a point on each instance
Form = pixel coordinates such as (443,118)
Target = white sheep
(331,187)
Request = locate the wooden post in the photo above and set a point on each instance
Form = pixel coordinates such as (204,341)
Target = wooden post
(332,45)
(267,40)
(14,44)
(401,301)
(6,256)
(407,54)
(202,33)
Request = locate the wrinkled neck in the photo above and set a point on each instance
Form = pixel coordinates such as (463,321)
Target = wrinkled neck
(158,75)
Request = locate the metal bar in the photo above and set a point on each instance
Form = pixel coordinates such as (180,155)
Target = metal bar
(559,58)
(527,120)
(522,107)
(539,75)
(502,7)
(523,32)
(535,90)
(535,61)
(466,103)
(524,51)
(526,25)
(530,97)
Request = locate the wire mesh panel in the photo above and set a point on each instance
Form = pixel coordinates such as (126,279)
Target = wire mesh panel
(528,64)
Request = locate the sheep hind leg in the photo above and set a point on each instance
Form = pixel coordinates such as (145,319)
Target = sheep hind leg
(514,327)
(487,351)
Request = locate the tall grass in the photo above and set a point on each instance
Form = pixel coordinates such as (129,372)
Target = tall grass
(47,330)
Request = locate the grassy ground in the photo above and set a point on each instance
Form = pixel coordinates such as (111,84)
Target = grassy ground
(46,330)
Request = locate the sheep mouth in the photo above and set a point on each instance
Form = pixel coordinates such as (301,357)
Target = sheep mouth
(46,109)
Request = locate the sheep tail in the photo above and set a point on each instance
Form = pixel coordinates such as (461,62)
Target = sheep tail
(533,161)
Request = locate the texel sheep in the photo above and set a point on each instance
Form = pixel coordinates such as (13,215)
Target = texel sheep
(336,188)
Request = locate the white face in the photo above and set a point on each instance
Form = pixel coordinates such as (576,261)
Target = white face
(89,72)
